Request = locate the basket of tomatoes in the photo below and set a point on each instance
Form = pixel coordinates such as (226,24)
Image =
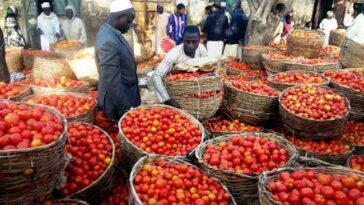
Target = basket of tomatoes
(236,68)
(284,80)
(319,65)
(15,92)
(46,67)
(158,129)
(59,84)
(32,156)
(252,54)
(337,37)
(13,59)
(238,159)
(313,112)
(356,162)
(90,172)
(75,107)
(275,62)
(65,48)
(353,133)
(29,55)
(120,193)
(178,182)
(320,185)
(352,55)
(305,43)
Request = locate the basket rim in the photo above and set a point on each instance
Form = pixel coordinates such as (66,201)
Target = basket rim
(227,132)
(228,84)
(270,78)
(265,58)
(193,79)
(316,120)
(190,117)
(346,87)
(199,154)
(307,31)
(84,84)
(61,138)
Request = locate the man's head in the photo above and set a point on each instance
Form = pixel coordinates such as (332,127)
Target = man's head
(280,9)
(70,12)
(191,40)
(181,9)
(160,9)
(208,10)
(215,7)
(330,14)
(237,5)
(358,9)
(46,7)
(122,15)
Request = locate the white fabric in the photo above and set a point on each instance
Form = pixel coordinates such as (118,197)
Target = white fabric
(173,57)
(228,16)
(234,50)
(160,23)
(50,27)
(348,20)
(223,4)
(328,25)
(215,48)
(356,31)
(278,33)
(120,5)
(46,5)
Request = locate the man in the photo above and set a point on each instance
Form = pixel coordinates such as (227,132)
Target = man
(48,26)
(227,14)
(160,24)
(327,25)
(339,10)
(215,29)
(208,11)
(356,31)
(277,16)
(4,72)
(176,24)
(73,28)
(236,32)
(118,83)
(181,53)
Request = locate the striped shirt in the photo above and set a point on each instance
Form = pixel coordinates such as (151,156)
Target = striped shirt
(176,26)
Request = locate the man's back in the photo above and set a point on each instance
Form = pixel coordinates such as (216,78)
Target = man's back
(216,26)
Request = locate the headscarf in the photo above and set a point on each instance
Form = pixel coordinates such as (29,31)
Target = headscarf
(69,7)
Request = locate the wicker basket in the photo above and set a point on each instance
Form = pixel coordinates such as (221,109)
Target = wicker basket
(69,202)
(356,117)
(264,179)
(249,107)
(14,59)
(95,192)
(87,117)
(337,37)
(243,187)
(29,55)
(347,164)
(310,128)
(281,87)
(352,54)
(307,46)
(252,55)
(50,67)
(134,199)
(27,92)
(319,68)
(40,90)
(65,51)
(275,66)
(232,71)
(200,108)
(133,152)
(83,65)
(29,173)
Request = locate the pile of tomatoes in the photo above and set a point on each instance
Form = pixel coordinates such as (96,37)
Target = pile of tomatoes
(352,80)
(354,133)
(58,82)
(238,66)
(225,125)
(183,76)
(259,87)
(10,90)
(298,78)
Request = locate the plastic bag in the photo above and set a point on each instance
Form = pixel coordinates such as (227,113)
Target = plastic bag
(167,44)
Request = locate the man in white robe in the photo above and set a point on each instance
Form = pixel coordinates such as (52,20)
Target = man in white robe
(327,25)
(160,22)
(356,31)
(48,27)
(73,28)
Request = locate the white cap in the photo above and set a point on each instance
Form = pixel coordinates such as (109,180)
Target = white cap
(223,4)
(120,5)
(46,5)
(330,14)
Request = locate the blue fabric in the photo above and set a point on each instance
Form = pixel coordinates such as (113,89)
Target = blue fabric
(216,26)
(176,26)
(237,28)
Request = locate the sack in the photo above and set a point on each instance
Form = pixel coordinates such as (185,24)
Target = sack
(167,44)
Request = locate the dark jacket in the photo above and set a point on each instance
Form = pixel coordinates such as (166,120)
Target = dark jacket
(237,28)
(118,84)
(216,26)
(4,72)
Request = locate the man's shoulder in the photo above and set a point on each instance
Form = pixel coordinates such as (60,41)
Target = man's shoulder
(104,35)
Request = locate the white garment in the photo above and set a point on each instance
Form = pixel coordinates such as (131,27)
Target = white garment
(74,30)
(234,50)
(50,27)
(173,57)
(160,23)
(278,33)
(356,31)
(328,25)
(228,16)
(348,20)
(215,48)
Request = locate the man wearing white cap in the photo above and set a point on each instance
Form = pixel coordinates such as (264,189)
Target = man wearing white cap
(72,27)
(48,26)
(118,82)
(327,25)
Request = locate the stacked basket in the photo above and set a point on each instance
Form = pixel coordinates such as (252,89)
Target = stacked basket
(273,66)
(252,55)
(14,59)
(65,48)
(305,43)
(29,55)
(337,37)
(352,54)
(45,67)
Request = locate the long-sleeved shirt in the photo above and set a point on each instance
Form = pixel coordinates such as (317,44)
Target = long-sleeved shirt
(237,28)
(328,25)
(176,26)
(74,30)
(4,72)
(173,57)
(216,26)
(356,31)
(50,27)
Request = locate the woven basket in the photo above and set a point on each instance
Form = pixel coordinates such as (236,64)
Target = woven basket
(252,55)
(249,107)
(200,108)
(50,67)
(134,199)
(337,37)
(70,202)
(264,179)
(14,59)
(275,66)
(352,54)
(65,51)
(347,164)
(40,90)
(133,152)
(100,188)
(232,71)
(310,128)
(29,173)
(356,117)
(243,187)
(319,68)
(88,117)
(281,87)
(29,55)
(83,65)
(27,92)
(306,46)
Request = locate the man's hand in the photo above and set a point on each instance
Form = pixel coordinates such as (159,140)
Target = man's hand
(173,103)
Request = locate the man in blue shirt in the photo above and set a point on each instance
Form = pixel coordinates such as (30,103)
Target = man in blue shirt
(176,24)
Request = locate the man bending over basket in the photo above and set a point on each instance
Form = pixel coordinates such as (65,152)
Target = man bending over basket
(190,48)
